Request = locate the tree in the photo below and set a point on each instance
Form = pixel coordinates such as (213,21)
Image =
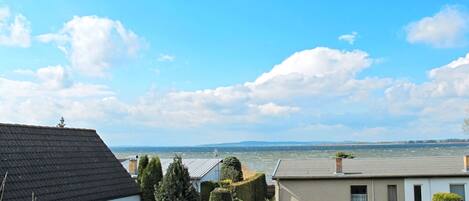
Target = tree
(231,169)
(344,155)
(151,177)
(61,123)
(142,164)
(176,184)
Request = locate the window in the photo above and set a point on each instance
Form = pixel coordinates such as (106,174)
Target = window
(392,193)
(359,193)
(458,189)
(417,193)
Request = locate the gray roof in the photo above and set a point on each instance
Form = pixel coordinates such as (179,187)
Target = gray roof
(323,168)
(60,164)
(197,168)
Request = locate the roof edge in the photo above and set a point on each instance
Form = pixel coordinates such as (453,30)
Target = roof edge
(365,177)
(48,127)
(276,168)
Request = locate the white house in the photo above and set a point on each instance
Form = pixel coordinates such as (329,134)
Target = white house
(200,170)
(371,179)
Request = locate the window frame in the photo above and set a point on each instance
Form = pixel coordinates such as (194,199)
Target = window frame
(459,184)
(359,185)
(420,189)
(397,193)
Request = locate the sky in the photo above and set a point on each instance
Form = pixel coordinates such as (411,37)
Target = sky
(175,73)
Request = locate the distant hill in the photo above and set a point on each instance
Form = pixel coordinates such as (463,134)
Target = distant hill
(267,144)
(311,143)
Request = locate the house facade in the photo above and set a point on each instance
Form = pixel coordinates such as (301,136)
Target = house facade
(379,179)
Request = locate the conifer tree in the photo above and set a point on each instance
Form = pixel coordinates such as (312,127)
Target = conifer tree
(176,184)
(142,164)
(151,178)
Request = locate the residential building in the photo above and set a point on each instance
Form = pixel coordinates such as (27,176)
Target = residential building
(371,179)
(131,165)
(60,164)
(200,170)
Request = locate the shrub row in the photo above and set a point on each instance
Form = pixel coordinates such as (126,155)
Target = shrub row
(446,197)
(252,189)
(221,194)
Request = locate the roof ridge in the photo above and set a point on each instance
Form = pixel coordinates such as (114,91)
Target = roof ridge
(49,127)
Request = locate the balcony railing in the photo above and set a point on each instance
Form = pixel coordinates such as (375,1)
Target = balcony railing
(359,197)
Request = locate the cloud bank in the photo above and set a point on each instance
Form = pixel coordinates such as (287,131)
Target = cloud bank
(447,28)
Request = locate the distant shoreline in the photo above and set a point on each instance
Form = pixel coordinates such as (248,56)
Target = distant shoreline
(331,147)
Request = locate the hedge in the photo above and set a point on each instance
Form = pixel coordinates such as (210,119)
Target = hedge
(220,194)
(446,197)
(251,189)
(205,188)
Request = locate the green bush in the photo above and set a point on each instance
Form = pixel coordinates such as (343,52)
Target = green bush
(344,155)
(446,197)
(252,189)
(231,169)
(151,176)
(220,194)
(205,188)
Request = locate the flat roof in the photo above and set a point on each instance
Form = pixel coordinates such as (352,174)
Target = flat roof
(402,167)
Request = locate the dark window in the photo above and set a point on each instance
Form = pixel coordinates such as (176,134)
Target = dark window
(458,189)
(417,193)
(392,193)
(358,193)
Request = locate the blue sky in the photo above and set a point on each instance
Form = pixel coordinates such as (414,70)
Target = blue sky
(182,73)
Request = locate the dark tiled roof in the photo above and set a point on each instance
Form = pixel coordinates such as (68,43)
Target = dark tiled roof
(323,168)
(60,164)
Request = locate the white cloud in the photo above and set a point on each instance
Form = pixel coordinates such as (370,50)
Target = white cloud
(319,62)
(445,29)
(166,58)
(349,38)
(54,77)
(312,92)
(14,30)
(274,109)
(93,44)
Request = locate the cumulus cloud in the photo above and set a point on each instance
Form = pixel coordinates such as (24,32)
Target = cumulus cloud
(15,30)
(445,29)
(311,92)
(166,58)
(274,109)
(93,44)
(349,38)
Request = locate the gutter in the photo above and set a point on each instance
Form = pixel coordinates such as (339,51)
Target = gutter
(275,170)
(365,177)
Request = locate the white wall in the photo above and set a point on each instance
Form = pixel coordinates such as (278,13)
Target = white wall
(130,198)
(212,175)
(431,186)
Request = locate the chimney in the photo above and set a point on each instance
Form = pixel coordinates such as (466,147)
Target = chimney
(338,165)
(133,166)
(466,163)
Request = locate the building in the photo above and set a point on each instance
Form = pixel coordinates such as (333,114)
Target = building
(131,165)
(200,170)
(377,179)
(60,164)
